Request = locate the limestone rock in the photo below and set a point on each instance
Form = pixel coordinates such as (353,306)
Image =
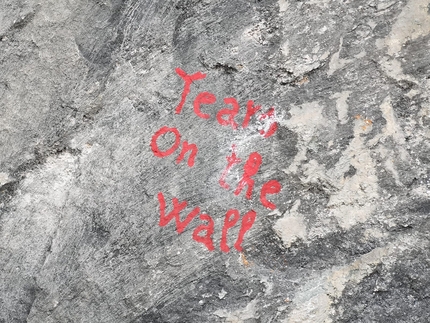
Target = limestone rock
(297,133)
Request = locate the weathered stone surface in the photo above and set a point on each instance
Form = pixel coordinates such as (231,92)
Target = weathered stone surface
(85,85)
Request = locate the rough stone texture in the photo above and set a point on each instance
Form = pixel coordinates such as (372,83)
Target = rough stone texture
(84,85)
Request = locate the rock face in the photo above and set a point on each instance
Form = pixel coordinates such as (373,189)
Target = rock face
(214,161)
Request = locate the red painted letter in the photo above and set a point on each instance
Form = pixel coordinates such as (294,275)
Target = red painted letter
(250,111)
(247,222)
(250,169)
(228,223)
(185,148)
(209,228)
(188,79)
(231,160)
(271,187)
(181,225)
(154,147)
(203,98)
(230,112)
(273,125)
(177,208)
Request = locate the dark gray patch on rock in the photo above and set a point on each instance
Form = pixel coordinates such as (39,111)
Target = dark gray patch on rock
(404,286)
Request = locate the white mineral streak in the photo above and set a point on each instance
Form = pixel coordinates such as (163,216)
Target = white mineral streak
(267,284)
(313,302)
(283,5)
(341,105)
(240,315)
(392,129)
(354,201)
(4,178)
(291,227)
(285,48)
(389,165)
(413,22)
(351,199)
(424,113)
(302,65)
(336,63)
(393,68)
(304,120)
(222,294)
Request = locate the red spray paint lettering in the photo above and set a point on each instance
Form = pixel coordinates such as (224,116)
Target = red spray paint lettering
(208,229)
(247,222)
(251,167)
(271,187)
(230,113)
(203,98)
(231,161)
(186,147)
(230,220)
(273,124)
(188,79)
(162,131)
(250,111)
(178,207)
(226,116)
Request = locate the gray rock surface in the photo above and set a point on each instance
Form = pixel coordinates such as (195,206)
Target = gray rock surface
(85,85)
